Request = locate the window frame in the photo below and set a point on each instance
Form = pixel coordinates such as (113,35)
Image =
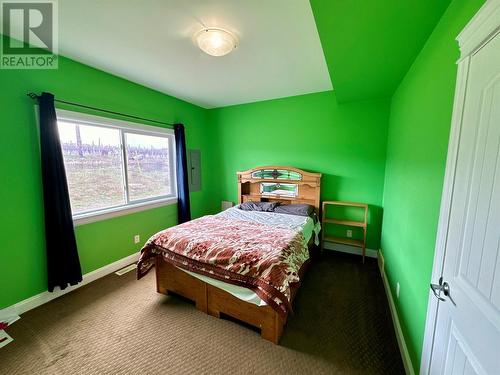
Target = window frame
(125,127)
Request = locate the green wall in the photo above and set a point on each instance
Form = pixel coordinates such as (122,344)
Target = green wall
(22,269)
(419,127)
(370,44)
(346,143)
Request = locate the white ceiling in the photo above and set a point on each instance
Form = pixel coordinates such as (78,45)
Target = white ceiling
(151,42)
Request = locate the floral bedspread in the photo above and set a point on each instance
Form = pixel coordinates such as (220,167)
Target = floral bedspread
(264,258)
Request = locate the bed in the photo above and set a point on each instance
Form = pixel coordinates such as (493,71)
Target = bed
(245,262)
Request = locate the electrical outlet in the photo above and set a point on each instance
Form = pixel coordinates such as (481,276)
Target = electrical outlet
(137,238)
(349,233)
(397,289)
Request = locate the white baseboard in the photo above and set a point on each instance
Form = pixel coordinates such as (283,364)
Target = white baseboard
(44,297)
(405,355)
(371,253)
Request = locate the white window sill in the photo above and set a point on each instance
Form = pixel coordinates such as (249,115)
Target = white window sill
(92,217)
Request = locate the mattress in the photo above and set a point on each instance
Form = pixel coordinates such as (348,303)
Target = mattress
(302,223)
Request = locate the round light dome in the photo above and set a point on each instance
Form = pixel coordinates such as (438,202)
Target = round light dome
(216,42)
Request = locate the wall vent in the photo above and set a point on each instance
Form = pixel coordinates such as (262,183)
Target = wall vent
(123,271)
(225,205)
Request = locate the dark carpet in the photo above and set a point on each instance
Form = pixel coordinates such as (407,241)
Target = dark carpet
(118,325)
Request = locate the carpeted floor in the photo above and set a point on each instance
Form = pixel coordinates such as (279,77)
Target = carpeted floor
(118,325)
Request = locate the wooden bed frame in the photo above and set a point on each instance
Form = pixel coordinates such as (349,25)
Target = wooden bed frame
(215,301)
(249,186)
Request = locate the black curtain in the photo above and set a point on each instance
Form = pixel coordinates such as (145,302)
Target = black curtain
(184,209)
(63,265)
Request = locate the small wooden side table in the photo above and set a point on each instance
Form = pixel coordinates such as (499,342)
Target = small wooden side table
(348,223)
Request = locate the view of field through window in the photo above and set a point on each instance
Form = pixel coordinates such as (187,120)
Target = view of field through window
(95,168)
(147,166)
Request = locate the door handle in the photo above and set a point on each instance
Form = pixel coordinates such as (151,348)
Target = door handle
(437,288)
(442,287)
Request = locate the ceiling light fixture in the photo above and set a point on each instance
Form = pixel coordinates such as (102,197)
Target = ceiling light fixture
(215,41)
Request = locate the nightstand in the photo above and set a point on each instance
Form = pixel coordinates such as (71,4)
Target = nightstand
(326,221)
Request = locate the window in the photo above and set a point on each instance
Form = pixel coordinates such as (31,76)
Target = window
(114,165)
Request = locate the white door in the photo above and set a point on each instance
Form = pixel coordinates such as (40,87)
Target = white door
(467,327)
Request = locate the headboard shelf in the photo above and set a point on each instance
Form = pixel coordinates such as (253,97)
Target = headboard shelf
(310,183)
(277,196)
(300,187)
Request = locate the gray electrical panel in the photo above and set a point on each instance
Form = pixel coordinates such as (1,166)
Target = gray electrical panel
(194,170)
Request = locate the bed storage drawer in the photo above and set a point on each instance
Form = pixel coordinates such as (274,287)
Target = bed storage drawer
(171,279)
(263,317)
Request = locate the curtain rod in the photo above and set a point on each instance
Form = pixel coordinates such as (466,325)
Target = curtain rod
(32,95)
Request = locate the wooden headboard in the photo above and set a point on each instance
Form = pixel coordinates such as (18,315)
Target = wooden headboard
(279,184)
